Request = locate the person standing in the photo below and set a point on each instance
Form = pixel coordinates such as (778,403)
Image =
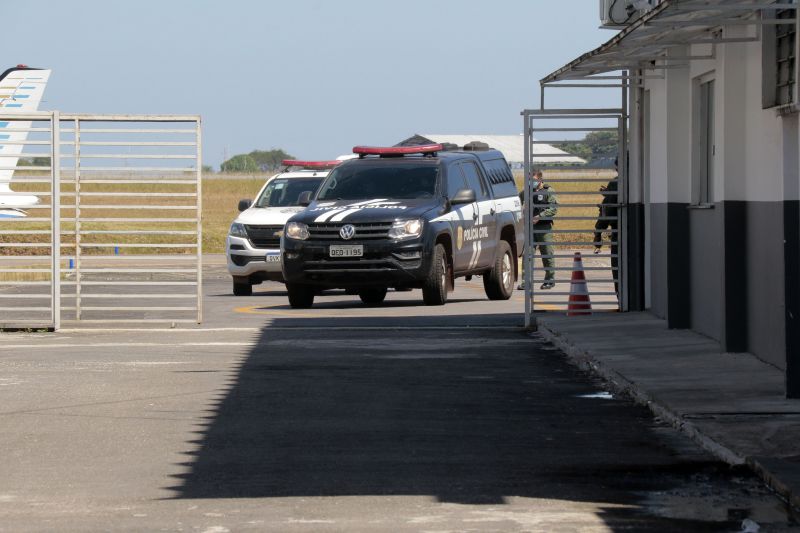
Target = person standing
(607,220)
(544,208)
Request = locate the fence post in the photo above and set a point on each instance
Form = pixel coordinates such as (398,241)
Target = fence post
(55,174)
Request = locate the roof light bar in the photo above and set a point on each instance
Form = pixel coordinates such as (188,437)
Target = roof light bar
(397,150)
(309,164)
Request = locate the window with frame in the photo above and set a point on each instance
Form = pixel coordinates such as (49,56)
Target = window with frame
(779,58)
(703,143)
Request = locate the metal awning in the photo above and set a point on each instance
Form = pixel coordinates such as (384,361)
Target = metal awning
(644,44)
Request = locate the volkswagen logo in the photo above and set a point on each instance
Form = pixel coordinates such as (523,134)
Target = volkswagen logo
(347,232)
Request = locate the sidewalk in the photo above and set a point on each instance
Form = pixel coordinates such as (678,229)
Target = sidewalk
(731,404)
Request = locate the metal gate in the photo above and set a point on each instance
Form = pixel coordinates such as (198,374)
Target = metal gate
(109,231)
(583,221)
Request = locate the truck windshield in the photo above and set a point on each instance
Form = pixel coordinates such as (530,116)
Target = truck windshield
(380,180)
(285,192)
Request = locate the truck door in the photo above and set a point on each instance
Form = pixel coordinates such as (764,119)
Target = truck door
(462,218)
(482,237)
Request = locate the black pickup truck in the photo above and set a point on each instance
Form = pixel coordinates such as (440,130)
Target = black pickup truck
(411,217)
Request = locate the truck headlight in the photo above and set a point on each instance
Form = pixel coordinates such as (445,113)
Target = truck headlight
(297,231)
(237,230)
(406,229)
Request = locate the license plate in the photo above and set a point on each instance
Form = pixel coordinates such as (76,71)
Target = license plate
(347,250)
(274,257)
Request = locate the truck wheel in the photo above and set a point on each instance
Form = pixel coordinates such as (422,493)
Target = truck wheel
(499,281)
(434,288)
(242,288)
(300,296)
(372,295)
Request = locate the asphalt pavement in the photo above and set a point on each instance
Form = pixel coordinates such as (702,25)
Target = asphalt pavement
(731,404)
(344,417)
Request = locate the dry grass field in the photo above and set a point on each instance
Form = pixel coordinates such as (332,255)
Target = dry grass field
(578,199)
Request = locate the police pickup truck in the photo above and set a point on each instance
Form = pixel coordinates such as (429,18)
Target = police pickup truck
(407,217)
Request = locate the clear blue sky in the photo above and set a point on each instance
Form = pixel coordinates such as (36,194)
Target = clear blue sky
(313,77)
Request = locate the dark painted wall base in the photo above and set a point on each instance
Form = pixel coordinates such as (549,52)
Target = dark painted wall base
(634,263)
(791,233)
(678,267)
(734,283)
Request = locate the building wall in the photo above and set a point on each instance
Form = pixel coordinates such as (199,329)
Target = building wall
(720,269)
(657,201)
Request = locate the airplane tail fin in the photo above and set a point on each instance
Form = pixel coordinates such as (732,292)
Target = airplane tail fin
(21,91)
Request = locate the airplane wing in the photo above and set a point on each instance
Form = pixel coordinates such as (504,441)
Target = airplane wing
(21,90)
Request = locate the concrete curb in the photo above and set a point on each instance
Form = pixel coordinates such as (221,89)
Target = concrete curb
(620,384)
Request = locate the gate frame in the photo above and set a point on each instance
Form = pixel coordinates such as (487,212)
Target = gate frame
(55,118)
(622,117)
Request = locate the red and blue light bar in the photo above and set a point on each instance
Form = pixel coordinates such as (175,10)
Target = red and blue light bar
(397,150)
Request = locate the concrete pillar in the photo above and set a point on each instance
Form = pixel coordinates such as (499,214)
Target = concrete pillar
(679,170)
(730,185)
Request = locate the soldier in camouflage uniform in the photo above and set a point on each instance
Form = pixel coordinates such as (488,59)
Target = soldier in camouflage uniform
(545,207)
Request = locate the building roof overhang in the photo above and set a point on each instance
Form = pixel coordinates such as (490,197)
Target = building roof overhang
(644,44)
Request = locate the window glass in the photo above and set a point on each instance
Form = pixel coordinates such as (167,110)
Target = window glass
(368,180)
(285,192)
(455,180)
(474,180)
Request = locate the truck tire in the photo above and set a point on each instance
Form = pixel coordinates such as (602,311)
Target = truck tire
(300,296)
(242,288)
(434,288)
(372,295)
(499,281)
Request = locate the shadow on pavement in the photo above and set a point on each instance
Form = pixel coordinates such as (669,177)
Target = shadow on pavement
(471,417)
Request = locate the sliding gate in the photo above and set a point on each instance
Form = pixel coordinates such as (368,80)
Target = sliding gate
(587,227)
(101,220)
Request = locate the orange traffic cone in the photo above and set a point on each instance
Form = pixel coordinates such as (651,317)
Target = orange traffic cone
(579,303)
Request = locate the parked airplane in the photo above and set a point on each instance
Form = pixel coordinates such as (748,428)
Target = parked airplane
(21,90)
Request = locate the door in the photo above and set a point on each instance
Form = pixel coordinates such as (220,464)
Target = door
(462,217)
(483,233)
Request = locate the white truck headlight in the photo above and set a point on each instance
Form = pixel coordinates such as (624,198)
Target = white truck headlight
(406,229)
(297,231)
(238,230)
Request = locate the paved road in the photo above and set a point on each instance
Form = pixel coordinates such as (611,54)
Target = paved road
(342,418)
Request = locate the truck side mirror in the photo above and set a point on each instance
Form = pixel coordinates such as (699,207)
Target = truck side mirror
(463,196)
(305,198)
(244,204)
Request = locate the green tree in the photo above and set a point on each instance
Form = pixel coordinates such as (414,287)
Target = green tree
(602,143)
(37,161)
(240,163)
(595,145)
(269,159)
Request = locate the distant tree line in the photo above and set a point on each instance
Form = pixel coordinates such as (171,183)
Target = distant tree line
(38,161)
(596,145)
(255,161)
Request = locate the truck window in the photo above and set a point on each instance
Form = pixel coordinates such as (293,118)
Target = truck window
(286,192)
(455,180)
(474,181)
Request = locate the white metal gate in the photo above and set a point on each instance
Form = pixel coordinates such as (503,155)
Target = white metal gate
(583,221)
(116,236)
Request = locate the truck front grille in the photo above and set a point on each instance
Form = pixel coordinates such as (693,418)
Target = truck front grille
(264,236)
(364,231)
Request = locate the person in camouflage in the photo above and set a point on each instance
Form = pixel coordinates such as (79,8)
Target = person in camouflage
(545,207)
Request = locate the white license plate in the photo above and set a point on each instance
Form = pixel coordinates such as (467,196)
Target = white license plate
(274,257)
(347,250)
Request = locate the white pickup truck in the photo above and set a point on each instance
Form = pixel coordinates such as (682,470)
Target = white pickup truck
(253,246)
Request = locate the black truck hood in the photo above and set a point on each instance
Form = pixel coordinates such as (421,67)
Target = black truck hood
(376,210)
